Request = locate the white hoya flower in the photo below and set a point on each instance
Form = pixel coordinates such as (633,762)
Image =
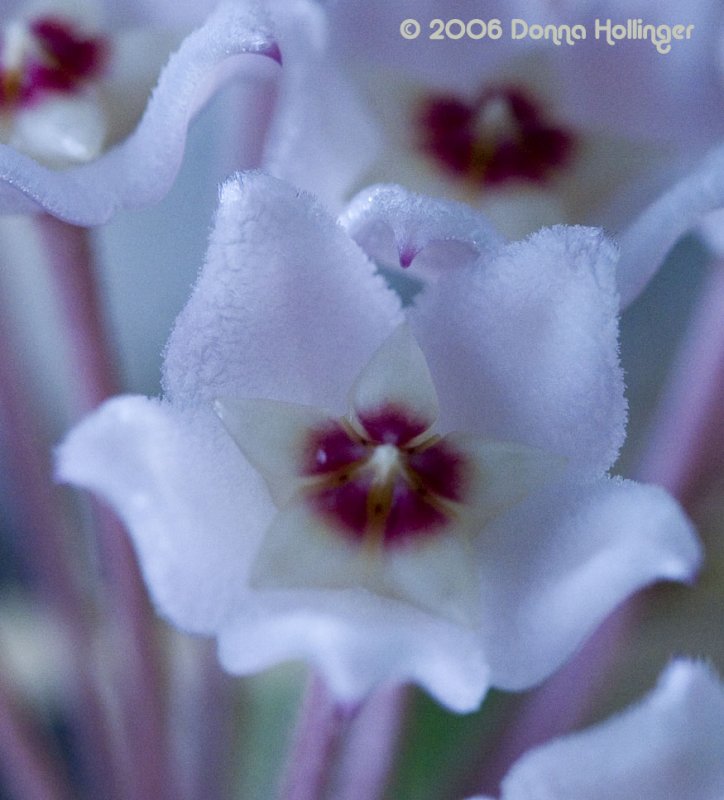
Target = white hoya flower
(96,97)
(393,494)
(669,746)
(532,131)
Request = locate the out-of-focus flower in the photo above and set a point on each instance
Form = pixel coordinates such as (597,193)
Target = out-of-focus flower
(532,132)
(362,543)
(670,745)
(83,130)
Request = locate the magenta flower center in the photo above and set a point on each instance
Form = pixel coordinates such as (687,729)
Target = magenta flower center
(501,137)
(46,55)
(388,485)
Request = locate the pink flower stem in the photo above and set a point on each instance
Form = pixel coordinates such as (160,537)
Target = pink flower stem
(29,768)
(559,705)
(321,729)
(684,450)
(202,722)
(372,746)
(70,260)
(686,442)
(45,542)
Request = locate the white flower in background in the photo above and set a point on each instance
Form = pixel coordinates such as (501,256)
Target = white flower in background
(669,746)
(532,132)
(394,494)
(83,130)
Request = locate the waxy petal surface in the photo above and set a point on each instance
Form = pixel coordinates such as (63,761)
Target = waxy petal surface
(524,347)
(553,567)
(670,745)
(194,507)
(396,377)
(287,307)
(272,435)
(358,641)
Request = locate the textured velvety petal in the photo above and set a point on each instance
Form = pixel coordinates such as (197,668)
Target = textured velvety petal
(193,506)
(358,641)
(645,243)
(322,138)
(287,307)
(436,575)
(141,169)
(272,435)
(524,347)
(61,131)
(501,474)
(396,377)
(394,226)
(670,745)
(553,567)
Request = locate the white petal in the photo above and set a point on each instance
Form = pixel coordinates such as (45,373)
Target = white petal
(272,435)
(555,565)
(671,745)
(321,138)
(645,243)
(396,375)
(194,508)
(435,574)
(524,347)
(502,474)
(61,130)
(287,307)
(358,641)
(397,227)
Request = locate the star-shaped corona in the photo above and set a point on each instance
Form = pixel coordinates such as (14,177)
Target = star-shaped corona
(397,502)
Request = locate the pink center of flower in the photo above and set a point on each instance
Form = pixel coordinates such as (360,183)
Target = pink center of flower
(387,485)
(46,55)
(501,137)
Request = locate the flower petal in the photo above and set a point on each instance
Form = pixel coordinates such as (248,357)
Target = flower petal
(194,508)
(503,474)
(357,641)
(395,379)
(141,169)
(270,315)
(394,226)
(62,130)
(645,243)
(524,347)
(272,435)
(553,567)
(668,746)
(321,138)
(434,574)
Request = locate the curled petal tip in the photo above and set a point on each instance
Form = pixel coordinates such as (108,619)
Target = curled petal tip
(407,255)
(273,51)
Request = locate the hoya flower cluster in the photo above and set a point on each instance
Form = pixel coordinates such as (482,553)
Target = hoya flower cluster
(392,407)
